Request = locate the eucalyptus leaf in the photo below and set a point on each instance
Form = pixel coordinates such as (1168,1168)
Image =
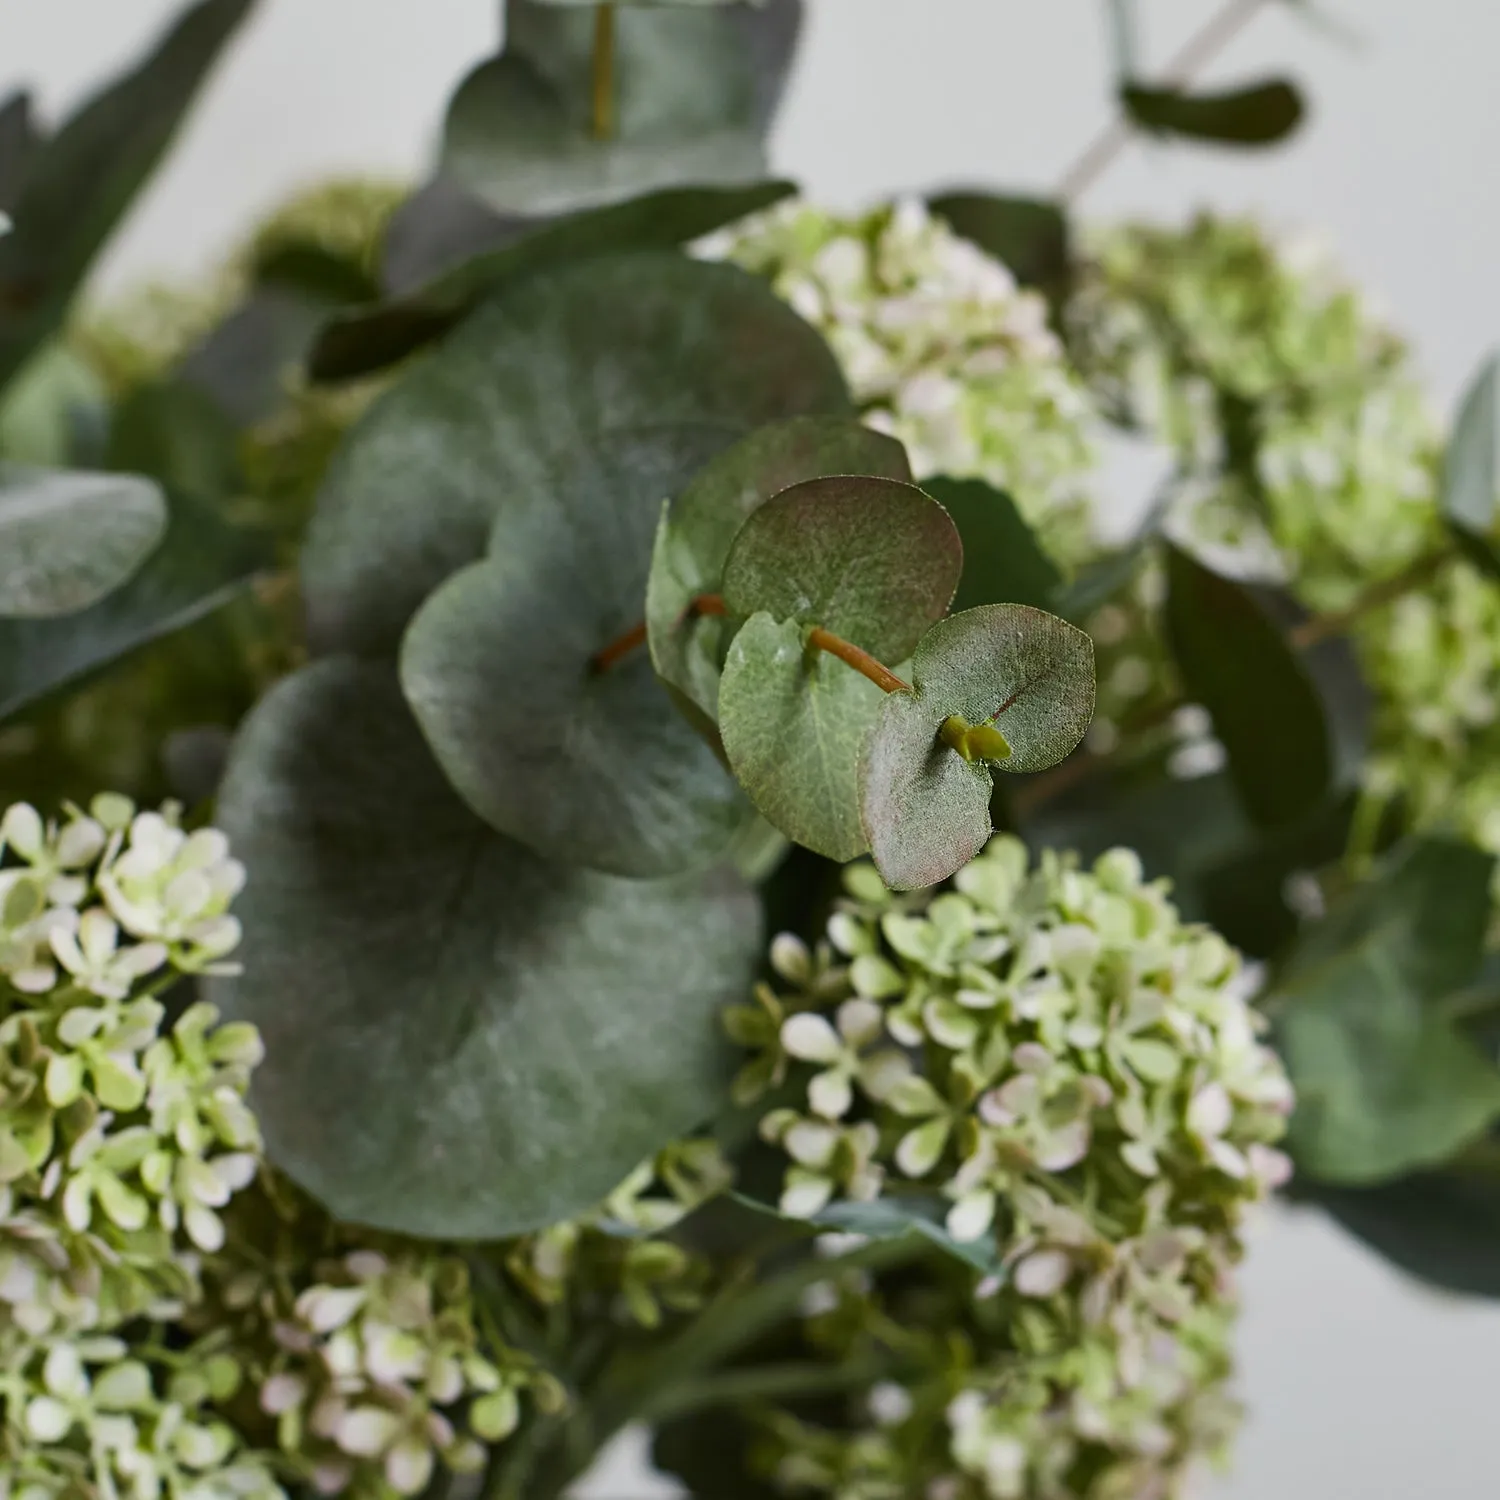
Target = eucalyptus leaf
(692,93)
(1266,708)
(439,227)
(794,722)
(18,141)
(178,435)
(871,560)
(77,186)
(925,808)
(68,538)
(200,565)
(1003,561)
(1028,235)
(369,339)
(55,413)
(462,1041)
(1470,496)
(1257,114)
(699,527)
(588,767)
(484,425)
(1386,1083)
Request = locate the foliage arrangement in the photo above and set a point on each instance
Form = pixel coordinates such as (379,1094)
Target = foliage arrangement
(689,886)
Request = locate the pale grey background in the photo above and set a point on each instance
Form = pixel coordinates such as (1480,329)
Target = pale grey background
(1361,1386)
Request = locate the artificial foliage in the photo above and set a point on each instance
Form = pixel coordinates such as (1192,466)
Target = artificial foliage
(602,822)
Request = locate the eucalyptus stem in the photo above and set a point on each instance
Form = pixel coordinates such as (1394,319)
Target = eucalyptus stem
(862,662)
(776,1382)
(1320,628)
(1200,49)
(604,72)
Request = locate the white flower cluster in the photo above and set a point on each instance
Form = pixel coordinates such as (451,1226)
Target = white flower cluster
(1071,1069)
(377,1373)
(940,348)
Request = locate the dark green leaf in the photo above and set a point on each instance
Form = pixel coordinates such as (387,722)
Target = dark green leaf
(372,338)
(1259,114)
(872,560)
(315,272)
(68,538)
(482,426)
(1471,469)
(436,230)
(180,436)
(462,1041)
(78,185)
(693,93)
(201,564)
(794,723)
(18,141)
(1442,1227)
(1385,1082)
(709,1452)
(926,808)
(1030,235)
(1265,707)
(586,767)
(1003,562)
(696,532)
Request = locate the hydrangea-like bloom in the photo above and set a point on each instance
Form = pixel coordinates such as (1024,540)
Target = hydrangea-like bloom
(1231,347)
(1070,1074)
(940,347)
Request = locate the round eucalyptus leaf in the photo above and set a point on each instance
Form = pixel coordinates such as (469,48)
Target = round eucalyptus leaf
(699,527)
(794,722)
(872,560)
(692,92)
(68,538)
(1028,674)
(586,767)
(492,421)
(463,1041)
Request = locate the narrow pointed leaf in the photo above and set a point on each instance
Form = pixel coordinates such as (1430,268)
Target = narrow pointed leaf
(68,538)
(925,808)
(463,1041)
(485,425)
(1028,235)
(1265,705)
(1259,114)
(794,723)
(1470,495)
(77,186)
(200,565)
(692,95)
(369,339)
(698,529)
(1003,561)
(872,560)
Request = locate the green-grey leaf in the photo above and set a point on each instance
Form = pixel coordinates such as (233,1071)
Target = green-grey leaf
(697,530)
(794,723)
(68,538)
(1003,561)
(1471,469)
(925,809)
(1258,114)
(1385,1082)
(693,93)
(77,186)
(483,424)
(586,767)
(462,1041)
(359,342)
(201,564)
(1265,705)
(55,411)
(1029,235)
(872,560)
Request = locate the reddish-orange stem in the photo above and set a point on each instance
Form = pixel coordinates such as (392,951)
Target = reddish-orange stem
(634,638)
(862,662)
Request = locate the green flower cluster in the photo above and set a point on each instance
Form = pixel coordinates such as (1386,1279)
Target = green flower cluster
(940,347)
(1301,430)
(1072,1074)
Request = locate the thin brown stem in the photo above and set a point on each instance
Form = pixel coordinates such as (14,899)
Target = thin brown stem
(1319,628)
(634,638)
(1201,48)
(862,662)
(604,72)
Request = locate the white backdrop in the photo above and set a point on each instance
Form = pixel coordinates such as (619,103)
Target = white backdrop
(1361,1386)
